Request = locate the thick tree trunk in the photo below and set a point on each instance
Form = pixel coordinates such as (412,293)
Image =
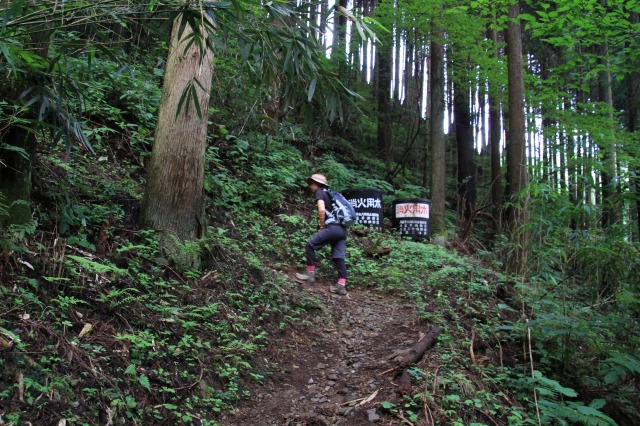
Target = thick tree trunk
(517,178)
(438,160)
(173,198)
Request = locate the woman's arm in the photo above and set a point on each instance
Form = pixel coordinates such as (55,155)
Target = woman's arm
(321,213)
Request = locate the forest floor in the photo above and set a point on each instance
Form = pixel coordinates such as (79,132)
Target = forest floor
(337,369)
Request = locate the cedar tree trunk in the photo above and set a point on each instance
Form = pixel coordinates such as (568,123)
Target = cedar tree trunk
(517,178)
(173,198)
(438,160)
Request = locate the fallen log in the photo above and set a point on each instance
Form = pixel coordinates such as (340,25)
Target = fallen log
(418,350)
(415,354)
(404,383)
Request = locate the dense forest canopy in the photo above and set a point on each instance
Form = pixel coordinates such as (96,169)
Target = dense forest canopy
(518,119)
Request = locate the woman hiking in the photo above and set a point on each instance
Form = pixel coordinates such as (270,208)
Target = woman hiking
(330,231)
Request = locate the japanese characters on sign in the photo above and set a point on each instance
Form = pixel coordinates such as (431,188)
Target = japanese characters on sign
(412,210)
(412,217)
(368,211)
(366,203)
(414,227)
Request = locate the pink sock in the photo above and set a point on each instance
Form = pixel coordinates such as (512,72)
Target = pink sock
(342,281)
(311,268)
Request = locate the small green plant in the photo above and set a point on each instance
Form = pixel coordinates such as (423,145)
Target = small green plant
(555,405)
(101,268)
(14,236)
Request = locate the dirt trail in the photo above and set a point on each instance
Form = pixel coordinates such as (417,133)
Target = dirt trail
(328,372)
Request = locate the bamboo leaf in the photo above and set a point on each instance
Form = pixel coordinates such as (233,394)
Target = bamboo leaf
(16,149)
(7,56)
(196,102)
(360,30)
(14,10)
(119,71)
(183,99)
(312,89)
(79,134)
(44,109)
(183,24)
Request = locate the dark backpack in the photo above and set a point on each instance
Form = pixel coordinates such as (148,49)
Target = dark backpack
(343,211)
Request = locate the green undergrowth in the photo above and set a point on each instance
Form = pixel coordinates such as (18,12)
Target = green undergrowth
(128,340)
(98,326)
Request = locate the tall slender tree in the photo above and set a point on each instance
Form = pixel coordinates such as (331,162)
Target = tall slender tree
(383,91)
(517,177)
(427,111)
(633,99)
(438,168)
(464,141)
(610,209)
(495,137)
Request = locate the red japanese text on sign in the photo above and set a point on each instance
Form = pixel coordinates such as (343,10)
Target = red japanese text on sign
(412,210)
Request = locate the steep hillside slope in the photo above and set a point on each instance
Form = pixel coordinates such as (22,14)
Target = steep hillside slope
(98,326)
